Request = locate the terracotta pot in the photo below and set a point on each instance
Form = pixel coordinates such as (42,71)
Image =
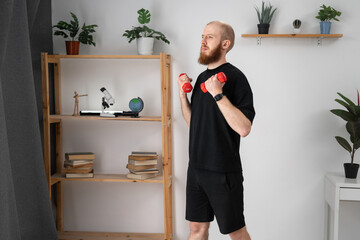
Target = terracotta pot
(72,47)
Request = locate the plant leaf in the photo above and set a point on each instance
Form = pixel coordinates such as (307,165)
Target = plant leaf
(344,143)
(346,99)
(266,13)
(60,33)
(357,144)
(258,14)
(144,16)
(353,129)
(344,114)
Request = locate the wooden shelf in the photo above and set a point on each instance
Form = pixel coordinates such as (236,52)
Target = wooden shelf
(104,178)
(56,180)
(65,235)
(55,58)
(292,35)
(57,117)
(318,36)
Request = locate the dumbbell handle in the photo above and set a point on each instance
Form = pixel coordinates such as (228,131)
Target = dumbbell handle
(186,87)
(220,76)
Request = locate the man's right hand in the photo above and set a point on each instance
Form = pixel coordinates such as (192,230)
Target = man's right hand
(183,78)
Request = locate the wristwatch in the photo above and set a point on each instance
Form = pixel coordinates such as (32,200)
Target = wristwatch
(218,97)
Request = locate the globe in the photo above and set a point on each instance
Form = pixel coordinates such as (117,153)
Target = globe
(136,104)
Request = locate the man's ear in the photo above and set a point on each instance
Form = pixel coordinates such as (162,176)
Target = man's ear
(226,44)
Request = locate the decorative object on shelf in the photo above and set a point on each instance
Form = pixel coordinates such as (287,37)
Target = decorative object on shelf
(296,25)
(79,165)
(76,107)
(74,34)
(136,105)
(144,35)
(264,17)
(326,14)
(142,165)
(106,101)
(352,117)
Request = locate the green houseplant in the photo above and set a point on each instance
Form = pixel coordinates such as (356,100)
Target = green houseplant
(74,34)
(325,15)
(143,34)
(264,17)
(352,117)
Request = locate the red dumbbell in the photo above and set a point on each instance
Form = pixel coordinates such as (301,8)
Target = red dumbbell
(220,76)
(186,86)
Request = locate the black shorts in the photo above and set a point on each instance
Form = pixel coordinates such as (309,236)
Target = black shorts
(211,193)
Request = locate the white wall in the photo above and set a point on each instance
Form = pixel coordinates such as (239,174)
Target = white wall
(292,143)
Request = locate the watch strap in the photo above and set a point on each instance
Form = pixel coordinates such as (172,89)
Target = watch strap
(218,97)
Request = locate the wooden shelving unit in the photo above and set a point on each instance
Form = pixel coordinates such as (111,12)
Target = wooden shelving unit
(58,178)
(318,36)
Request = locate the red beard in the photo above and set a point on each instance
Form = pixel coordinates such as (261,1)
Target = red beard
(213,56)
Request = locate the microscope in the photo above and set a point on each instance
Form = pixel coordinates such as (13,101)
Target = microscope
(107,101)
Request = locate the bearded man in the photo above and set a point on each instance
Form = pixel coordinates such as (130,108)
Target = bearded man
(217,120)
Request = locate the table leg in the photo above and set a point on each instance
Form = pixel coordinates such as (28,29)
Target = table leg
(336,220)
(326,221)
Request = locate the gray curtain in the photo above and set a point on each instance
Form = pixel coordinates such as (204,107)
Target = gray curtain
(25,209)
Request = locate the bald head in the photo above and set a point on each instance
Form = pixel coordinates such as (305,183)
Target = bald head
(227,32)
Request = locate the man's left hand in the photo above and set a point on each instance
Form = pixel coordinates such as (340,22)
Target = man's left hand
(214,86)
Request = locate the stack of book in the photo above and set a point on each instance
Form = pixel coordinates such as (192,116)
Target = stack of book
(142,165)
(79,164)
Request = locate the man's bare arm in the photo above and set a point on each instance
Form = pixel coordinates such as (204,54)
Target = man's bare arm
(234,117)
(184,101)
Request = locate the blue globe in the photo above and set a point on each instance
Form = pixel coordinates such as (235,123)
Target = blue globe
(136,105)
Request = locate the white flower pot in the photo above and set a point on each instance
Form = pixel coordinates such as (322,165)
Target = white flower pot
(296,30)
(145,45)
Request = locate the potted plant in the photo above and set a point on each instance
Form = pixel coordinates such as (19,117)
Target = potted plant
(74,34)
(352,117)
(144,35)
(296,25)
(264,17)
(326,14)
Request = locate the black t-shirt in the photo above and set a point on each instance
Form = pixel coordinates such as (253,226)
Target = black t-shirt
(214,145)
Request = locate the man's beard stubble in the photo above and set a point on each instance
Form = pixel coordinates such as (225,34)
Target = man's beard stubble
(213,56)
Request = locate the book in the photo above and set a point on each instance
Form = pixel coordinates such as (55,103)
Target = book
(144,157)
(79,156)
(145,171)
(78,163)
(144,153)
(141,167)
(142,162)
(78,170)
(141,176)
(80,175)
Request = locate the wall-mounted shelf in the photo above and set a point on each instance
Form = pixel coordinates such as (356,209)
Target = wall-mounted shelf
(318,36)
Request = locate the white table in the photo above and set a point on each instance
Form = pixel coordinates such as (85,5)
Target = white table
(338,188)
